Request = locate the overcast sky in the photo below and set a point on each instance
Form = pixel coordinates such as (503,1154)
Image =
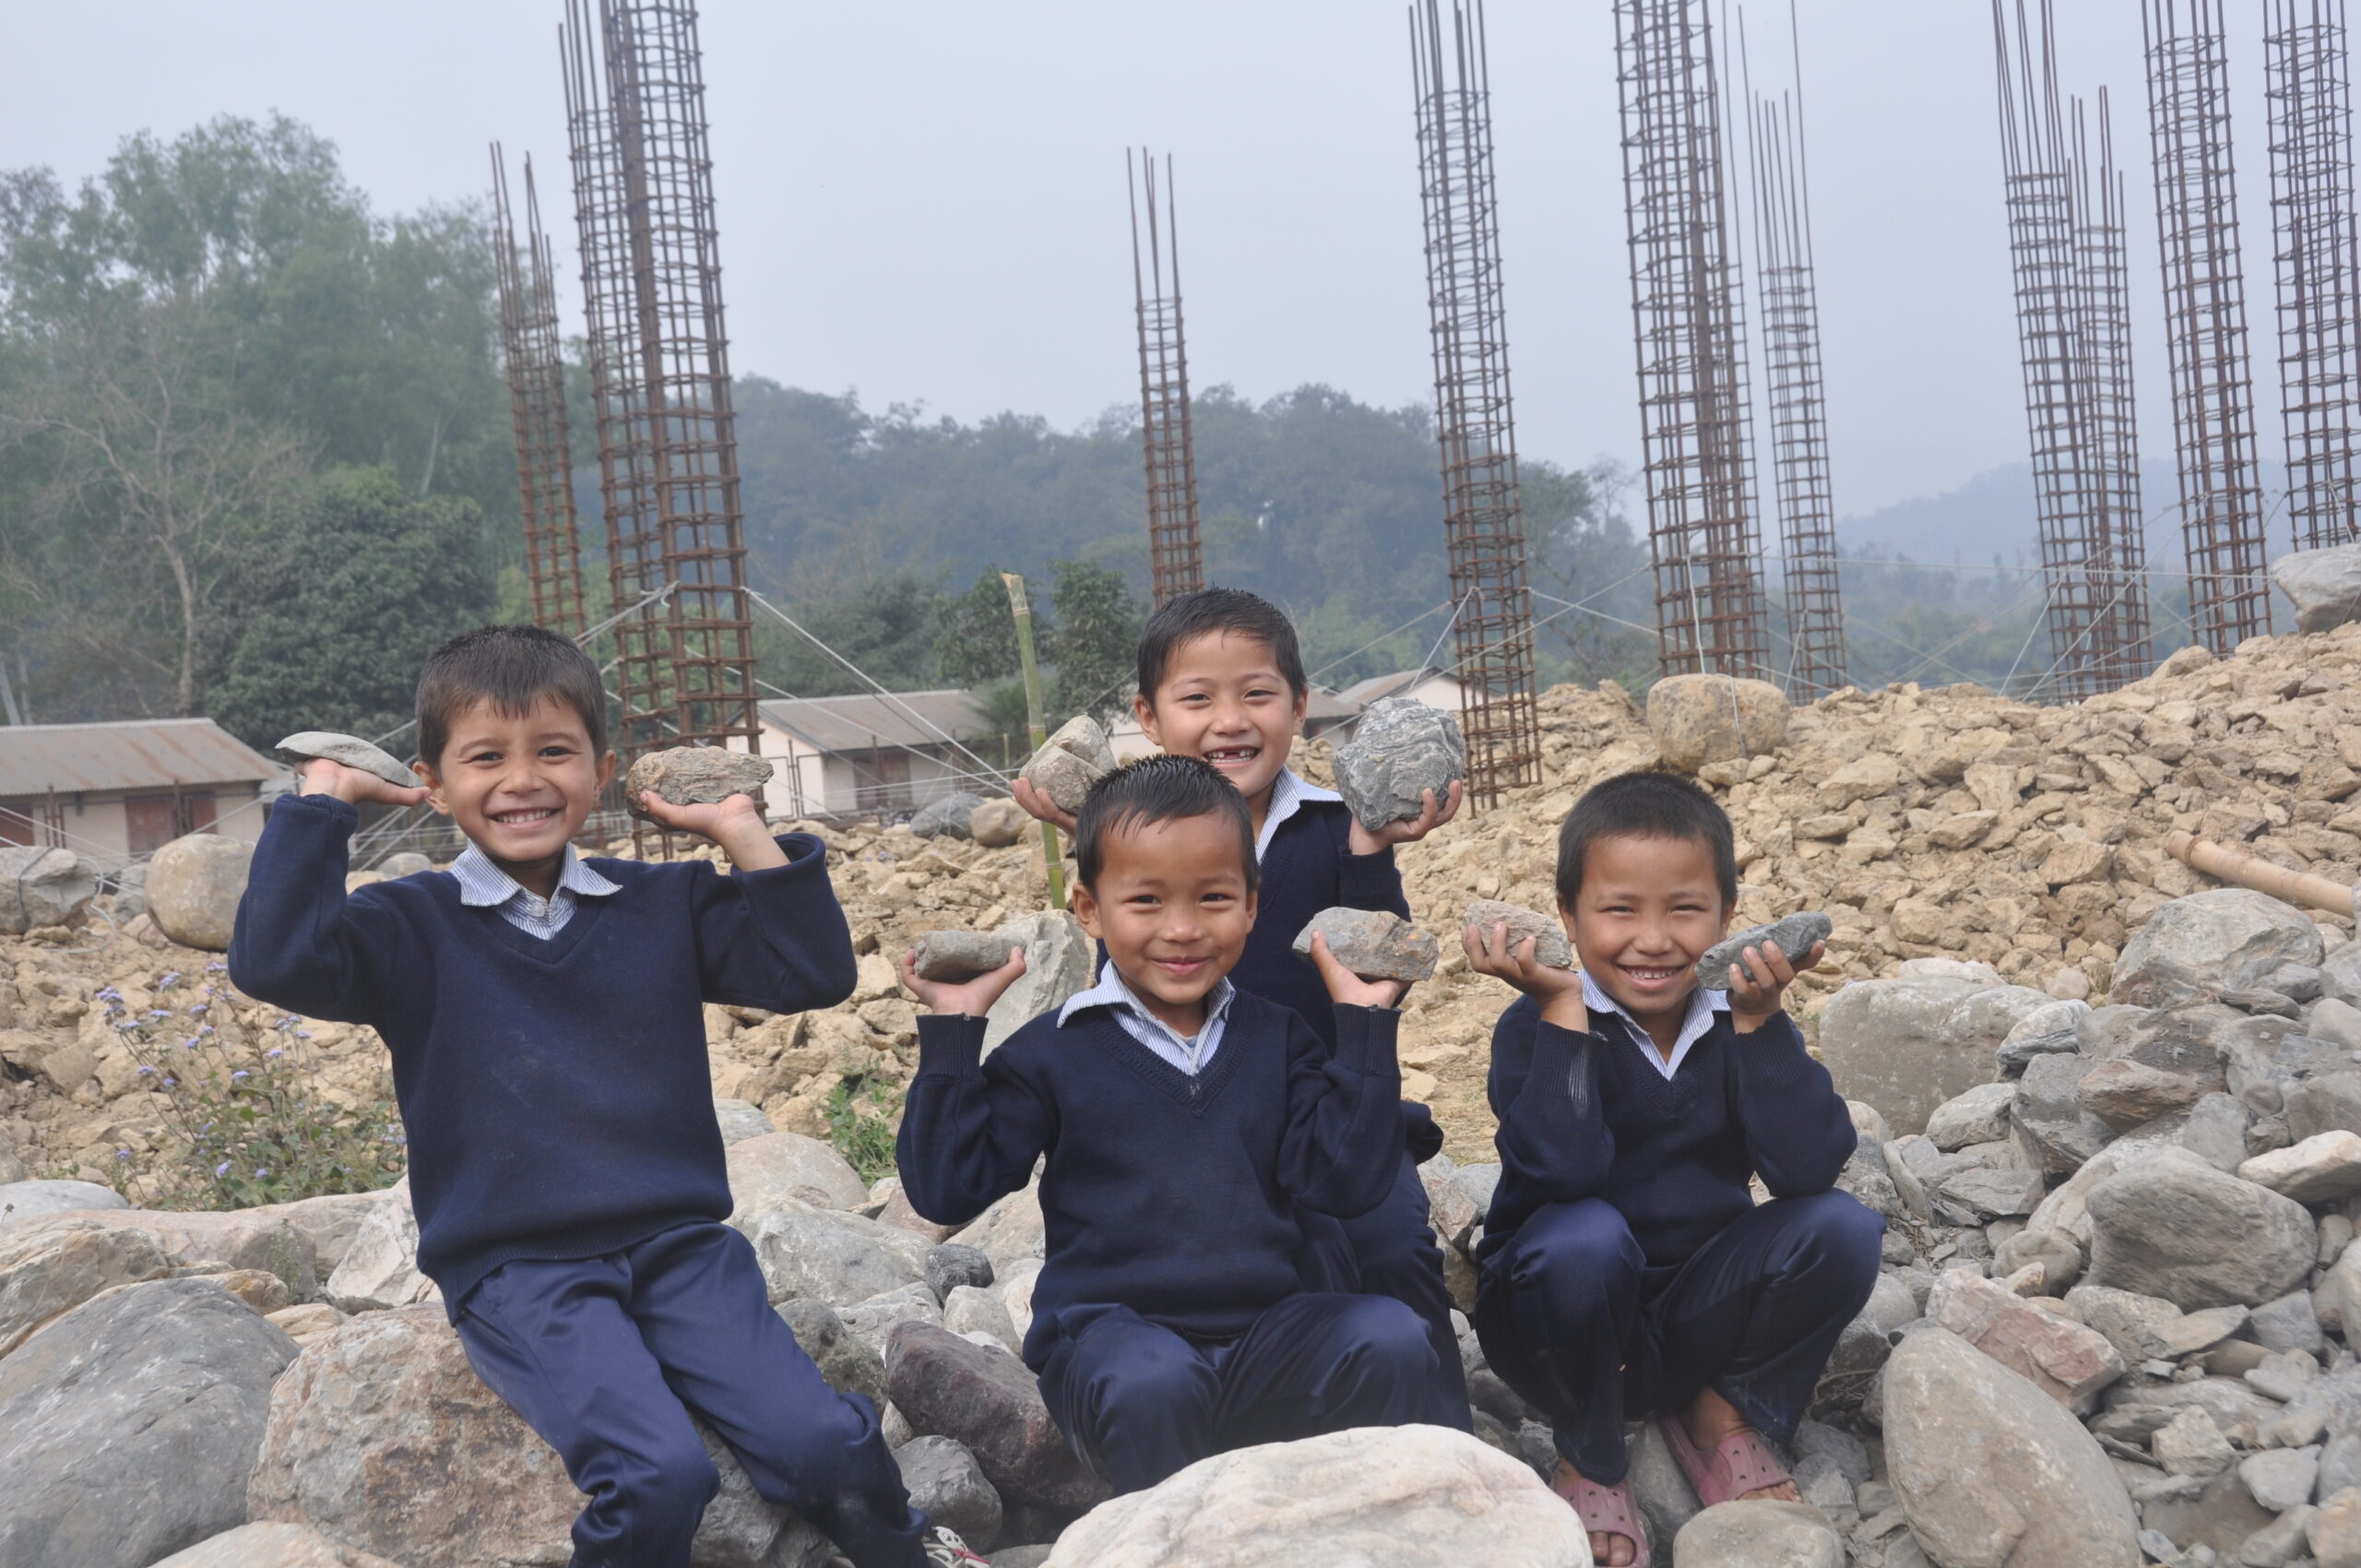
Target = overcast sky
(924,200)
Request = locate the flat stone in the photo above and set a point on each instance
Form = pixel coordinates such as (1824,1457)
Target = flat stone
(2323,1169)
(2064,1359)
(1759,1535)
(2325,584)
(1400,749)
(831,1256)
(1979,1116)
(947,816)
(950,1488)
(2222,939)
(50,1268)
(1992,1195)
(274,1545)
(1070,762)
(21,1202)
(1697,719)
(948,1386)
(1550,948)
(789,1164)
(957,956)
(1060,959)
(1794,933)
(194,885)
(692,776)
(739,1121)
(1372,944)
(2174,1227)
(352,752)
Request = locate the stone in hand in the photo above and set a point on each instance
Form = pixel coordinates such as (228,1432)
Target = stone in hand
(1373,944)
(1070,762)
(1794,933)
(695,775)
(957,956)
(1400,750)
(1552,952)
(352,752)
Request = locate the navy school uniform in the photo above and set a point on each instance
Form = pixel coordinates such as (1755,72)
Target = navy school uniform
(1169,1317)
(1625,1264)
(566,1168)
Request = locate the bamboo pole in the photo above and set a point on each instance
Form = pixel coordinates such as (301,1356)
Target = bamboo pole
(1052,859)
(2240,869)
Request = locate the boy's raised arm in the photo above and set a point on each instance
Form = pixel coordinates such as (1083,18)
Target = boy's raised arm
(1798,1130)
(1343,1144)
(971,1130)
(773,936)
(299,943)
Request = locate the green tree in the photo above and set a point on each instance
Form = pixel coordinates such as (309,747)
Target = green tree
(1094,643)
(884,625)
(977,645)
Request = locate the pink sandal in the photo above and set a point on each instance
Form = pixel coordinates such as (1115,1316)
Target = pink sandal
(1604,1509)
(1740,1463)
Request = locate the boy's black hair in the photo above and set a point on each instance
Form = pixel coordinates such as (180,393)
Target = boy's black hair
(1154,790)
(1646,804)
(512,668)
(1212,610)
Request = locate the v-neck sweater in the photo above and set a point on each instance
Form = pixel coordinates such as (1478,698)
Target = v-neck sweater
(555,1092)
(1171,1196)
(1309,867)
(1589,1116)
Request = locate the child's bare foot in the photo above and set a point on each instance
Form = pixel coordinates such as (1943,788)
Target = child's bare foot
(1710,1420)
(1615,1541)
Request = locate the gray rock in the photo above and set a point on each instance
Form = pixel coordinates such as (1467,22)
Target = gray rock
(2288,1324)
(740,1121)
(947,816)
(1759,1535)
(2323,1169)
(352,752)
(872,1322)
(850,1366)
(1060,959)
(274,1545)
(970,1310)
(2273,1545)
(831,1256)
(986,1398)
(2280,1479)
(2333,1531)
(957,956)
(1070,762)
(1991,1471)
(1550,948)
(2222,939)
(1979,1116)
(954,1264)
(1372,944)
(1010,1231)
(948,1486)
(21,1202)
(2340,1463)
(2045,1031)
(1400,750)
(1909,1043)
(690,775)
(789,1164)
(2335,1020)
(127,1427)
(2174,1227)
(194,885)
(2047,1116)
(1986,1193)
(2216,1131)
(379,1266)
(2326,1102)
(12,1171)
(2192,1444)
(43,887)
(1658,1484)
(51,1267)
(2325,584)
(1794,933)
(2162,1062)
(998,823)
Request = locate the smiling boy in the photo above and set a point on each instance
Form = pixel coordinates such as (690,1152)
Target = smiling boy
(545,1014)
(1626,1269)
(1188,1125)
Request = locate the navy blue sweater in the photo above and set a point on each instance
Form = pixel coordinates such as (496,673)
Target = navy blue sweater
(1173,1196)
(556,1093)
(1309,867)
(1587,1116)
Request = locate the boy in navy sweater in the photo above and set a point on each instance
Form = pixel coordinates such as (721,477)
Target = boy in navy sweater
(1221,678)
(544,1016)
(1186,1123)
(1626,1267)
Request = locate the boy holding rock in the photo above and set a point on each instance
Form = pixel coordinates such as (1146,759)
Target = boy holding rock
(1626,1269)
(1221,679)
(545,1014)
(1187,1126)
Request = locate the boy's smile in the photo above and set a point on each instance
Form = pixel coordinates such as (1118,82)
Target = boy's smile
(1648,909)
(1224,699)
(519,785)
(1171,903)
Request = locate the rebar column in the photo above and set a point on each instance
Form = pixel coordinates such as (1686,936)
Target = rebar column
(2319,264)
(533,357)
(1176,556)
(1491,623)
(1703,534)
(2116,529)
(2205,317)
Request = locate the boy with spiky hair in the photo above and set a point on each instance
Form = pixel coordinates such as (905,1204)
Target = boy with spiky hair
(1188,1125)
(1626,1269)
(545,1017)
(1221,679)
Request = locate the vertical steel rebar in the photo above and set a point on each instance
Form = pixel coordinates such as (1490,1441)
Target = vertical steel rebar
(2117,563)
(1491,623)
(533,358)
(1702,532)
(2318,265)
(2205,312)
(1168,441)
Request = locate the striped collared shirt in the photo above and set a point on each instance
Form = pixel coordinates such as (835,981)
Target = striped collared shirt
(486,885)
(1189,1055)
(1702,1005)
(1290,794)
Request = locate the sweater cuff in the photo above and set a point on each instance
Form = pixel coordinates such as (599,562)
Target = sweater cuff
(326,809)
(1369,882)
(951,1044)
(1365,1039)
(805,854)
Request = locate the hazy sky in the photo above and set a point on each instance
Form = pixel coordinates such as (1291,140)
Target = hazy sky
(925,200)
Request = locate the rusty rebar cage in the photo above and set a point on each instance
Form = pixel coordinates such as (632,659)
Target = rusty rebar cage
(1704,538)
(2117,562)
(532,355)
(2205,314)
(1492,624)
(1168,441)
(1795,381)
(2319,264)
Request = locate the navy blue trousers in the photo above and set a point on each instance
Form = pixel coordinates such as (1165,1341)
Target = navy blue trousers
(606,1356)
(1572,1317)
(1391,1251)
(1139,1402)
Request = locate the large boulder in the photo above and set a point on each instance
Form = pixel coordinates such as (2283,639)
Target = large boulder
(128,1426)
(2175,1227)
(194,885)
(1060,959)
(998,823)
(43,887)
(1407,1497)
(946,816)
(382,1436)
(2324,584)
(379,1268)
(1759,1535)
(1993,1473)
(948,1386)
(1910,1043)
(274,1545)
(54,1265)
(2222,939)
(1701,718)
(21,1202)
(260,1239)
(2063,1358)
(828,1255)
(789,1164)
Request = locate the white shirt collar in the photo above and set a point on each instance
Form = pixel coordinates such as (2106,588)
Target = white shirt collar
(1703,1005)
(486,885)
(1290,794)
(1184,1051)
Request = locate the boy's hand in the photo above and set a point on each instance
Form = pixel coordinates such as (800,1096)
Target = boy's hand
(319,776)
(1361,841)
(1347,989)
(1559,992)
(1038,806)
(974,997)
(734,822)
(1757,981)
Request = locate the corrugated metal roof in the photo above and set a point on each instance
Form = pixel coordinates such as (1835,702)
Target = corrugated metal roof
(856,723)
(126,754)
(1378,687)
